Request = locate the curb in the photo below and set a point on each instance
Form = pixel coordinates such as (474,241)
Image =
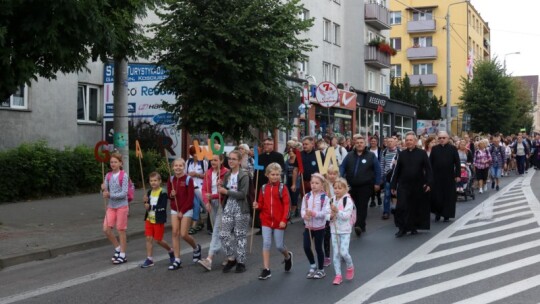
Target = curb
(54,252)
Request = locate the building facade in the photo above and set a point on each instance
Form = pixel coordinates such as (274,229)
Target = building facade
(419,35)
(76,108)
(345,33)
(532,83)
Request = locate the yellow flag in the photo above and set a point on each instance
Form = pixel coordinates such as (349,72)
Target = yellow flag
(138,151)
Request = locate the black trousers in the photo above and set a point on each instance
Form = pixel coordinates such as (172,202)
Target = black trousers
(361,195)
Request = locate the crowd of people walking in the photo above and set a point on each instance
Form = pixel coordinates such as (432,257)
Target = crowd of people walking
(407,176)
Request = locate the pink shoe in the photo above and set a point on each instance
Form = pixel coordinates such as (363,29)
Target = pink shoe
(350,273)
(337,280)
(326,262)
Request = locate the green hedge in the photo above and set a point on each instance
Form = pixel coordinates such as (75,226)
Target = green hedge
(34,171)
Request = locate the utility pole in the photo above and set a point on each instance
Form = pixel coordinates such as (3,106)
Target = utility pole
(448,69)
(121,136)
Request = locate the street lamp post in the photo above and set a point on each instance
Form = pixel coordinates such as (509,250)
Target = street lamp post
(448,68)
(504,61)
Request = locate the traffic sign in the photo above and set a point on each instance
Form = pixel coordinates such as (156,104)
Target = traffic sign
(327,94)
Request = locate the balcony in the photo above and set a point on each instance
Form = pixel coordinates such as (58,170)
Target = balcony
(376,58)
(377,16)
(428,80)
(421,26)
(420,53)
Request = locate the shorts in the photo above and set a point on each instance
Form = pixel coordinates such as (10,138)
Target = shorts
(156,231)
(482,174)
(496,172)
(188,213)
(116,217)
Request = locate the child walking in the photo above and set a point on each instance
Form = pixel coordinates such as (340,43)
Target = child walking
(273,203)
(342,209)
(212,204)
(315,210)
(331,176)
(115,188)
(155,203)
(180,189)
(235,219)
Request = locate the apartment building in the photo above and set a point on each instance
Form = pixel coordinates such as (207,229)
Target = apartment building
(419,34)
(342,32)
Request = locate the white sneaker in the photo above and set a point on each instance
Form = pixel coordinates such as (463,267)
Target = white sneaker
(485,188)
(481,190)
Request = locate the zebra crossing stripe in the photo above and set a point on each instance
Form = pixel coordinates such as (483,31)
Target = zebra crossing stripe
(521,215)
(503,292)
(458,282)
(463,263)
(450,251)
(519,203)
(521,223)
(387,277)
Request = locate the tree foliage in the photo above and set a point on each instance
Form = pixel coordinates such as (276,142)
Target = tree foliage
(490,99)
(42,38)
(428,107)
(524,107)
(227,61)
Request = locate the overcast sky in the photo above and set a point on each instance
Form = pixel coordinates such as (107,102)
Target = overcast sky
(514,28)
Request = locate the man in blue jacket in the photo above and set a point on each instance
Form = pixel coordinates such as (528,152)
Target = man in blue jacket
(363,173)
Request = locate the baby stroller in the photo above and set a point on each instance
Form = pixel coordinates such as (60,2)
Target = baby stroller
(464,188)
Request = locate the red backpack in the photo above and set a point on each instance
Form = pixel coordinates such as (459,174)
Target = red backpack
(131,187)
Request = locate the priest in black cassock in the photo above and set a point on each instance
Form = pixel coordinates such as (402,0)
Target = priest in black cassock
(444,159)
(412,181)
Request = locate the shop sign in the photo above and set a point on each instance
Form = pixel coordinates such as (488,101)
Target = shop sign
(376,101)
(327,94)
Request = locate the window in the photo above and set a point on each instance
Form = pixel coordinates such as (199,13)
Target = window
(423,41)
(395,70)
(304,15)
(326,71)
(383,84)
(371,81)
(423,69)
(335,74)
(429,93)
(87,103)
(19,99)
(303,68)
(395,43)
(370,36)
(327,30)
(337,34)
(403,124)
(395,17)
(423,15)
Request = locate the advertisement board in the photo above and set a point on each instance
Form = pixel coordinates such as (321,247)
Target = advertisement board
(145,103)
(430,127)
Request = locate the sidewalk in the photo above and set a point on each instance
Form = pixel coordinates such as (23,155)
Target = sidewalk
(44,229)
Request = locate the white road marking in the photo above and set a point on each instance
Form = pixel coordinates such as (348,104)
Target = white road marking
(393,275)
(115,269)
(503,292)
(491,230)
(499,219)
(458,282)
(463,263)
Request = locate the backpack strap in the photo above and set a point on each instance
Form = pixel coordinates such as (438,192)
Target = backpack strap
(281,191)
(344,202)
(121,177)
(263,188)
(322,199)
